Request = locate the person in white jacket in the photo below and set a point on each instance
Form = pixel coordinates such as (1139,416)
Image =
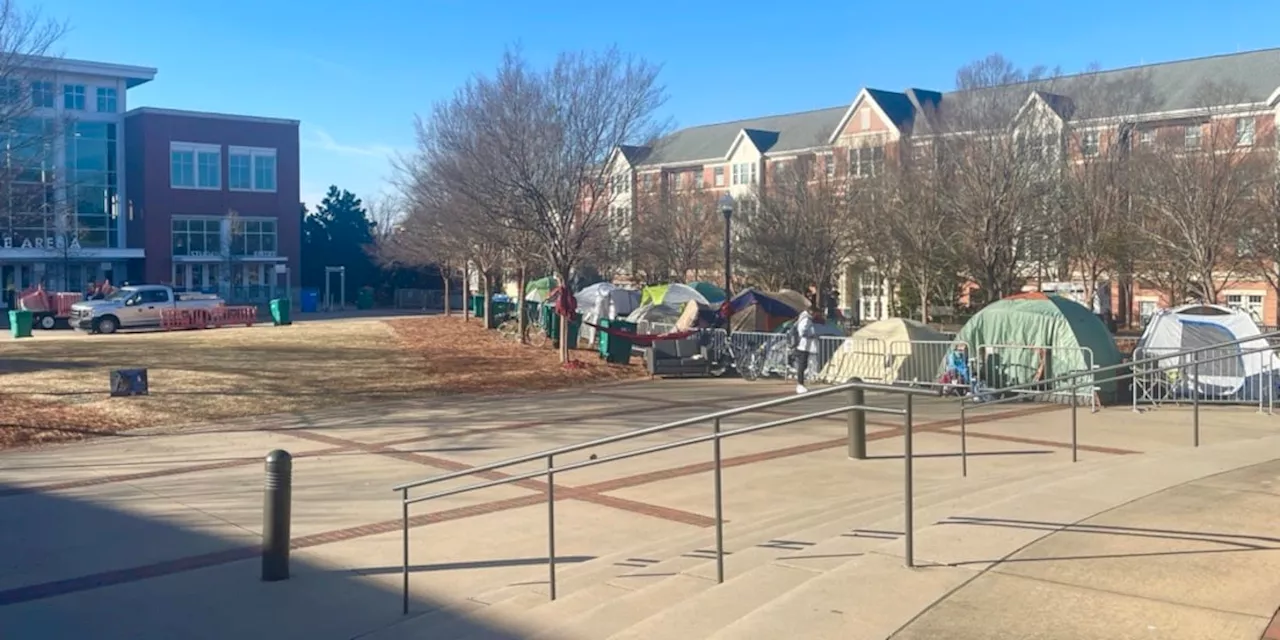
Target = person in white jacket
(806,346)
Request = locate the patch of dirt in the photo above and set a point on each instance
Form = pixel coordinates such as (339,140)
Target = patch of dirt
(460,357)
(54,387)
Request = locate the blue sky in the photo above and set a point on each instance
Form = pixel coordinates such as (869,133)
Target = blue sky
(355,74)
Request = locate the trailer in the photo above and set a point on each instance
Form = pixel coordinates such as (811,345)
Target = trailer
(49,309)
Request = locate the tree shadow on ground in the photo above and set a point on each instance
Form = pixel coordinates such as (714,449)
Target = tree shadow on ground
(76,569)
(29,365)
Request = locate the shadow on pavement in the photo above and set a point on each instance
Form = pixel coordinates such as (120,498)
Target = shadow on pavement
(71,568)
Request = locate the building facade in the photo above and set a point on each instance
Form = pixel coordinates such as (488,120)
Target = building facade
(216,201)
(62,221)
(854,141)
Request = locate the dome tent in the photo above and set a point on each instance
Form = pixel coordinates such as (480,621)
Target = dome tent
(1010,334)
(713,293)
(759,311)
(890,350)
(1240,370)
(674,294)
(603,300)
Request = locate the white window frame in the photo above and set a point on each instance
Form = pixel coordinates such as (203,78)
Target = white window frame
(1193,132)
(1246,131)
(198,153)
(1090,144)
(73,97)
(254,154)
(676,180)
(867,167)
(717,176)
(107,99)
(1147,138)
(829,164)
(866,118)
(698,179)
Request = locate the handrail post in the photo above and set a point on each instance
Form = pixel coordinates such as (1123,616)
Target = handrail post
(404,557)
(1195,399)
(719,507)
(908,489)
(964,437)
(551,525)
(1075,456)
(857,425)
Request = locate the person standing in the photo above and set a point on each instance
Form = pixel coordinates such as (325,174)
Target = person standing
(806,344)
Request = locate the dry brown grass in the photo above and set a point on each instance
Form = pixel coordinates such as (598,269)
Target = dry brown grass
(55,386)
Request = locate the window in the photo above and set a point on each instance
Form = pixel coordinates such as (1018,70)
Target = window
(10,92)
(738,178)
(676,181)
(829,161)
(697,179)
(153,296)
(781,167)
(251,169)
(197,237)
(106,100)
(646,181)
(717,176)
(1191,137)
(744,173)
(73,97)
(253,237)
(1246,128)
(865,162)
(1248,303)
(1089,144)
(1146,310)
(42,94)
(866,119)
(1147,138)
(195,166)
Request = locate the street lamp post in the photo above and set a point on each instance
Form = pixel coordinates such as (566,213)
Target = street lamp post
(726,208)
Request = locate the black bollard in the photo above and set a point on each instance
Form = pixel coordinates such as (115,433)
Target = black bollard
(275,516)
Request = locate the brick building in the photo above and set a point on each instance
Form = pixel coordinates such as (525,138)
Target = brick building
(215,201)
(854,141)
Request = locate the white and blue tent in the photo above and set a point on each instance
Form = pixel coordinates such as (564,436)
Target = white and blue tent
(1241,371)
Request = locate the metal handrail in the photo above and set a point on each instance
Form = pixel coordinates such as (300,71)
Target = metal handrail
(1134,368)
(1120,367)
(856,410)
(639,433)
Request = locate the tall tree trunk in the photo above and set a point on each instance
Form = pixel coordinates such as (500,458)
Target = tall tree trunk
(444,272)
(488,297)
(522,321)
(466,291)
(563,276)
(924,301)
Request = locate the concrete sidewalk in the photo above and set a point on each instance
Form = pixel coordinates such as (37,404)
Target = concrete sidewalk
(155,535)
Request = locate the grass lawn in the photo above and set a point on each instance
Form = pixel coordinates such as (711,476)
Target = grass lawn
(55,386)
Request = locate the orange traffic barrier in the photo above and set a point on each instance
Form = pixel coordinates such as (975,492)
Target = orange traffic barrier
(175,319)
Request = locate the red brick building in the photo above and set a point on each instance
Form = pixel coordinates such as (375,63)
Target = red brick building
(854,141)
(214,201)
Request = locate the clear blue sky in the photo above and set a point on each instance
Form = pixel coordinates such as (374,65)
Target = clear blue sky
(356,73)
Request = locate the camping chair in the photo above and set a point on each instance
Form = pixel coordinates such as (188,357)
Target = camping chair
(1155,387)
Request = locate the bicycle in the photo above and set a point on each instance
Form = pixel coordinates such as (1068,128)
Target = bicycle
(535,334)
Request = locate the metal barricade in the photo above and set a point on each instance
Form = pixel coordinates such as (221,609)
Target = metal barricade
(846,358)
(1231,374)
(923,362)
(1002,366)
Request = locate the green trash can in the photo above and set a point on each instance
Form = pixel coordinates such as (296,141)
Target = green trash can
(575,326)
(619,351)
(550,322)
(603,339)
(364,299)
(20,323)
(280,310)
(477,306)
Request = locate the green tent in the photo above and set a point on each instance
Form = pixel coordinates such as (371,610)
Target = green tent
(673,294)
(538,290)
(713,294)
(1006,339)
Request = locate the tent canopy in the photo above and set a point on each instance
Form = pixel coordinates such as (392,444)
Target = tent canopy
(713,294)
(623,301)
(538,290)
(1013,331)
(674,294)
(758,311)
(1202,325)
(891,350)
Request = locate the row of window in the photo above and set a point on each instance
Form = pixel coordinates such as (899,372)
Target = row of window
(75,97)
(863,162)
(221,236)
(1192,137)
(199,166)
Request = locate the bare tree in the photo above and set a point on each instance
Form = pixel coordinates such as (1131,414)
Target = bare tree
(674,235)
(798,229)
(529,148)
(1197,188)
(1263,243)
(912,234)
(989,183)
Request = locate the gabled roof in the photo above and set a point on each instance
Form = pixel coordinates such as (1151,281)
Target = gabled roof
(1174,86)
(761,140)
(634,154)
(794,131)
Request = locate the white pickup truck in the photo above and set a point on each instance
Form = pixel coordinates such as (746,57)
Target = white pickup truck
(135,307)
